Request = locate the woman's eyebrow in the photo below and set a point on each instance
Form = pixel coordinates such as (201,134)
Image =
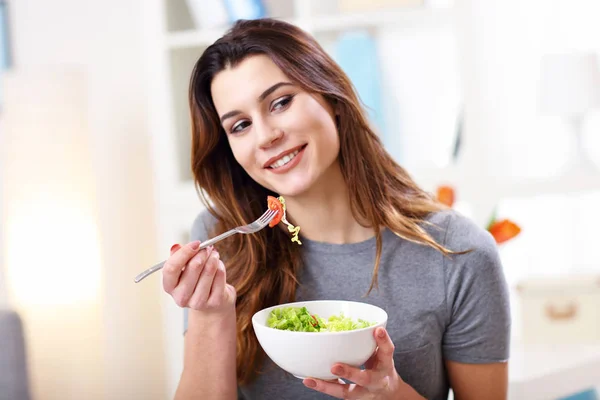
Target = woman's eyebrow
(260,99)
(272,89)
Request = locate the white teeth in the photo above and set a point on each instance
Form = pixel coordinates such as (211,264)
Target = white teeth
(284,160)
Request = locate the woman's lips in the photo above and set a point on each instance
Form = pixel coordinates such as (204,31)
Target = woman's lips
(291,164)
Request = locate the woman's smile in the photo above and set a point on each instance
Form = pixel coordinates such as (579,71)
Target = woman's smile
(286,162)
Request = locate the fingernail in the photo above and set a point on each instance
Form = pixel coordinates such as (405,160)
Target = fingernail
(338,370)
(310,383)
(381,333)
(195,245)
(175,246)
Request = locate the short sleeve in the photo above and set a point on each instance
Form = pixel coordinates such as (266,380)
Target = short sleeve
(477,298)
(202,226)
(200,230)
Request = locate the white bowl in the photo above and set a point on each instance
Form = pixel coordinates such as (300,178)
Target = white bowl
(312,354)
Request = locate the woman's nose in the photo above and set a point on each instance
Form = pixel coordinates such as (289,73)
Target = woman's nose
(268,135)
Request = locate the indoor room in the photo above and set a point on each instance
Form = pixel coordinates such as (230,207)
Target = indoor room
(491,108)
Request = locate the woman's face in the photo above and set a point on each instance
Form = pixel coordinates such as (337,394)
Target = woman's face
(284,137)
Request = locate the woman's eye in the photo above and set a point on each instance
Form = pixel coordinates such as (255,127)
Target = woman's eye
(281,103)
(240,126)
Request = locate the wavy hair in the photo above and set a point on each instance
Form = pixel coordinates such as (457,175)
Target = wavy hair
(263,267)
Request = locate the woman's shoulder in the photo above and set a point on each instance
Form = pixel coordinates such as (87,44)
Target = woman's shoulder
(203,225)
(479,270)
(457,232)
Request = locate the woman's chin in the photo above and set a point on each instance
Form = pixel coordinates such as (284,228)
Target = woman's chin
(291,189)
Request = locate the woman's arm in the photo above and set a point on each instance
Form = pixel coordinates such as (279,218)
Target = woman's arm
(196,279)
(209,369)
(478,381)
(476,342)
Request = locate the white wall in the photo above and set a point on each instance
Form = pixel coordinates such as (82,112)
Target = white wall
(507,40)
(108,39)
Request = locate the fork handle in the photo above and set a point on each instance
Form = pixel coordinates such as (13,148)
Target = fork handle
(203,245)
(149,271)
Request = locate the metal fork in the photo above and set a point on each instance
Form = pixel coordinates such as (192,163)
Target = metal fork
(253,227)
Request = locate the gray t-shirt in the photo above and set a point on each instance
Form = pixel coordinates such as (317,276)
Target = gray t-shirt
(439,308)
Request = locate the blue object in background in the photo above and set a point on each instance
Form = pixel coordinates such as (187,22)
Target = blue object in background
(4,48)
(586,395)
(4,41)
(245,9)
(356,53)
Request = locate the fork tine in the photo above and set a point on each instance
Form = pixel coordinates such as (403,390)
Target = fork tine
(267,216)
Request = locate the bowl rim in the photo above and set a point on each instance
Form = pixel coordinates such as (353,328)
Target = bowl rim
(327,333)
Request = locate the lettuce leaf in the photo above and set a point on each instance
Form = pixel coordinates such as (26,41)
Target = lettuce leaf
(298,319)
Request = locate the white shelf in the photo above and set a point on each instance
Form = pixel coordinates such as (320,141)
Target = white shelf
(399,17)
(576,180)
(194,38)
(571,183)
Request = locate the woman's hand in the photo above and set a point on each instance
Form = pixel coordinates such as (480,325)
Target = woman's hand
(196,279)
(378,381)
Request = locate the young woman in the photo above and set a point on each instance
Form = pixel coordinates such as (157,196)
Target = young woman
(272,114)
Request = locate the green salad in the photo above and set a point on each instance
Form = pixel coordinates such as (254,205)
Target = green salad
(300,320)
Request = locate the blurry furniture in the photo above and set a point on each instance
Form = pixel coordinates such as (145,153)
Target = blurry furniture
(552,372)
(368,5)
(560,310)
(558,356)
(590,394)
(14,382)
(570,88)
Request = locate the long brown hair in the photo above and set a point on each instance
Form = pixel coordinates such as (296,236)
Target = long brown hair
(263,267)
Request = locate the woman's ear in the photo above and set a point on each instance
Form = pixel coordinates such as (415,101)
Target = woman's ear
(335,104)
(336,108)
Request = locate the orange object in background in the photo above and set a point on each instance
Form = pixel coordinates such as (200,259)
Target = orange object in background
(445,195)
(504,230)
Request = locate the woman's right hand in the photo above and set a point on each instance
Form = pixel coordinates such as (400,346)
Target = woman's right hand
(197,279)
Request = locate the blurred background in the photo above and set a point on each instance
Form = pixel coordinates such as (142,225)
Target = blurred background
(498,103)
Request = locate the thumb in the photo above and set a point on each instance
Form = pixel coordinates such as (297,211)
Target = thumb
(230,292)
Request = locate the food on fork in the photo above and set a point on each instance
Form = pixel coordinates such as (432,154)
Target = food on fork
(275,205)
(278,204)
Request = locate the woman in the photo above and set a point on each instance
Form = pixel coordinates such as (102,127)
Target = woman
(272,114)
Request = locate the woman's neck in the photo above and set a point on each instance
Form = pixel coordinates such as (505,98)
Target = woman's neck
(324,214)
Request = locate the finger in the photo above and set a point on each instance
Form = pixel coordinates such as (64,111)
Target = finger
(217,290)
(385,350)
(175,264)
(339,390)
(174,248)
(371,363)
(230,292)
(366,377)
(207,276)
(189,278)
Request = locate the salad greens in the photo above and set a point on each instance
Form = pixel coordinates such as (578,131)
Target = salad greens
(300,320)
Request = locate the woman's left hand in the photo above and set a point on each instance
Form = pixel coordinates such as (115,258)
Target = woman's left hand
(378,381)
